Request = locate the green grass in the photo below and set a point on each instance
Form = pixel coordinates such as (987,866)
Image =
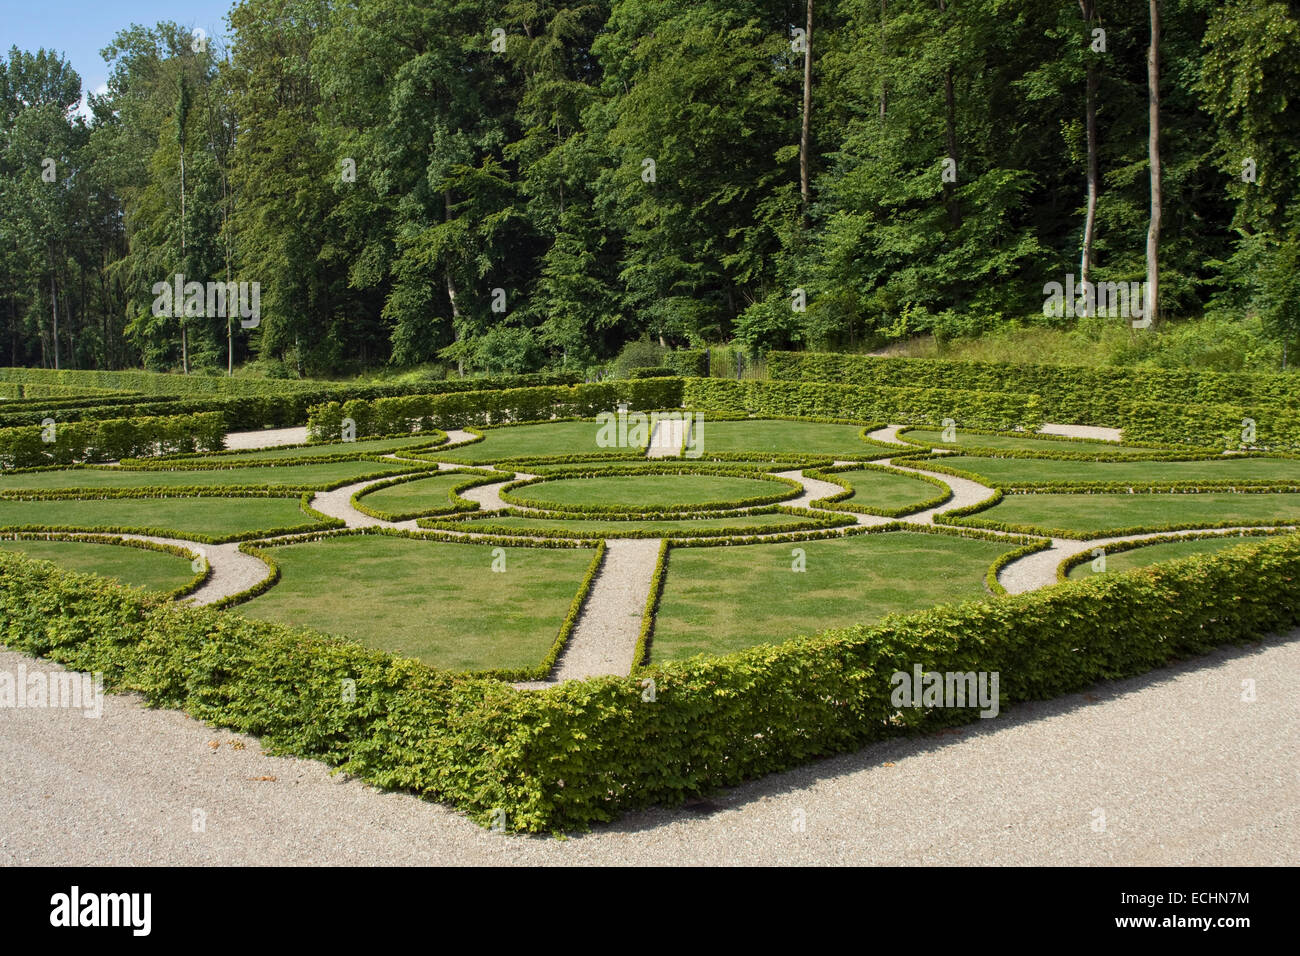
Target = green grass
(547,440)
(421,496)
(648,492)
(287,476)
(723,599)
(135,567)
(1156,553)
(757,464)
(772,436)
(372,446)
(884,490)
(436,601)
(1110,449)
(1099,515)
(1015,471)
(218,518)
(597,528)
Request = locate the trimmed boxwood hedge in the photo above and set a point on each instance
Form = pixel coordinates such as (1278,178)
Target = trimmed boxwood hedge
(510,494)
(189,587)
(584,751)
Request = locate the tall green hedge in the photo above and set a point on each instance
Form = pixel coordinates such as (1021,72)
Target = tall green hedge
(903,406)
(585,751)
(27,447)
(1071,394)
(386,416)
(246,404)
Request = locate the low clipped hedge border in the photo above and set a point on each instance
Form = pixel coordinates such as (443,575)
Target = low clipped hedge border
(110,439)
(304,505)
(968,518)
(715,722)
(189,587)
(1084,557)
(262,551)
(933,463)
(991,577)
(838,502)
(640,659)
(473,478)
(793,490)
(216,457)
(199,491)
(1063,455)
(814,522)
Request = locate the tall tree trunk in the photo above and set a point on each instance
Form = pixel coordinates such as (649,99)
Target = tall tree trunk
(807,110)
(54,310)
(1089,10)
(1153,150)
(950,128)
(451,293)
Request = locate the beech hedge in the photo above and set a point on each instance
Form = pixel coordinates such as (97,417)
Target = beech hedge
(1073,394)
(584,751)
(896,405)
(461,409)
(109,439)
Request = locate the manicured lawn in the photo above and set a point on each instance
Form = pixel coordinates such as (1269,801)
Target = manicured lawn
(648,492)
(781,437)
(931,438)
(1013,471)
(884,490)
(136,567)
(436,601)
(1098,515)
(370,446)
(286,476)
(1155,553)
(219,518)
(418,497)
(542,441)
(722,599)
(596,528)
(757,464)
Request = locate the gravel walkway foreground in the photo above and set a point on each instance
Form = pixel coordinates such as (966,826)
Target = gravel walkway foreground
(1183,770)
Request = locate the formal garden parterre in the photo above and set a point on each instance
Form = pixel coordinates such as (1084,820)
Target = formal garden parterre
(428,560)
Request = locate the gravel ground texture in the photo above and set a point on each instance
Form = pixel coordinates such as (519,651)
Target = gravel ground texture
(266,438)
(1182,770)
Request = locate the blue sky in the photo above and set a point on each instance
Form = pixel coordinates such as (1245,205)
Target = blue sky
(79,29)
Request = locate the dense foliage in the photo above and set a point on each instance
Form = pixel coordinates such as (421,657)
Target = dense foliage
(508,185)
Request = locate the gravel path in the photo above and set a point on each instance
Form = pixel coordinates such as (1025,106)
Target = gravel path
(1038,570)
(232,570)
(964,493)
(266,438)
(667,439)
(888,435)
(1184,771)
(605,636)
(1082,431)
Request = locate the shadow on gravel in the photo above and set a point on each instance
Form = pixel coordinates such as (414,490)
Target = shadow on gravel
(884,752)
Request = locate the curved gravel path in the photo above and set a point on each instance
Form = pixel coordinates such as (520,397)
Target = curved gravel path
(233,571)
